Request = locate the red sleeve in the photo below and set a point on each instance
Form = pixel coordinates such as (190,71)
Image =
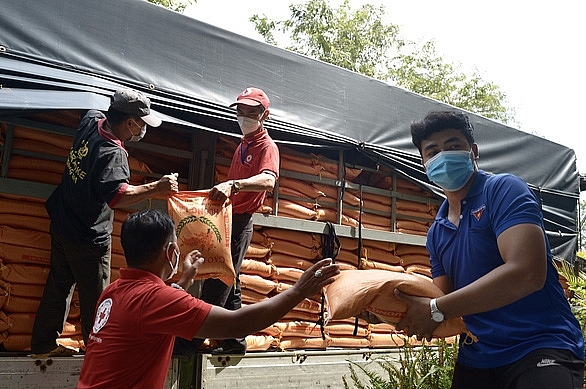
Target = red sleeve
(270,160)
(174,312)
(118,195)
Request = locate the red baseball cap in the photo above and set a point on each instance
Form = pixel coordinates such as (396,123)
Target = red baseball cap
(252,97)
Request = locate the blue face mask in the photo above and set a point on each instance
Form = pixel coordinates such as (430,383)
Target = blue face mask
(451,170)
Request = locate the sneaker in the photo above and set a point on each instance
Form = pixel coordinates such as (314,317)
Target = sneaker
(59,351)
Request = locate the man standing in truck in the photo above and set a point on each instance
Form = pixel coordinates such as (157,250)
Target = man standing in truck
(254,170)
(95,181)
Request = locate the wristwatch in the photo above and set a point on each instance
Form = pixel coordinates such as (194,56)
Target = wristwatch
(436,315)
(236,186)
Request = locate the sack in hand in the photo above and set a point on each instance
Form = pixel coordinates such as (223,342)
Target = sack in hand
(356,291)
(205,225)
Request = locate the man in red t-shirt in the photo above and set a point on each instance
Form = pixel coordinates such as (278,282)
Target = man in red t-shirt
(254,171)
(139,316)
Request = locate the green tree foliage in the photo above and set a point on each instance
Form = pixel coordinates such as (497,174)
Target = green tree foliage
(355,40)
(174,5)
(425,72)
(360,41)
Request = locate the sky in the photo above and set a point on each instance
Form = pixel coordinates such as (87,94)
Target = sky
(532,50)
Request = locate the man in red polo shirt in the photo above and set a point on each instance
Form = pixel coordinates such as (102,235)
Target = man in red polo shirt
(138,315)
(254,171)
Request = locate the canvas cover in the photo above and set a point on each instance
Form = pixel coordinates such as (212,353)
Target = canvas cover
(73,54)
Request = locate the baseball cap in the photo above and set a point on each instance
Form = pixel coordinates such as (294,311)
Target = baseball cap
(253,97)
(133,102)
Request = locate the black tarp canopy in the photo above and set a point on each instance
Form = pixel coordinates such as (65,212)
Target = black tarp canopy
(58,54)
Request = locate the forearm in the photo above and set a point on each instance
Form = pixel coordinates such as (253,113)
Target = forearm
(258,183)
(134,194)
(249,319)
(221,323)
(185,282)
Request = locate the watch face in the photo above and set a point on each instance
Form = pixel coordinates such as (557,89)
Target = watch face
(438,317)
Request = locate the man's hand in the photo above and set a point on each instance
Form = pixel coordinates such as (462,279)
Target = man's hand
(316,277)
(417,320)
(168,184)
(191,264)
(369,317)
(221,191)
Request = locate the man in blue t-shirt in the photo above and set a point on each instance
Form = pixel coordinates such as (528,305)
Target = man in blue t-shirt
(94,182)
(490,255)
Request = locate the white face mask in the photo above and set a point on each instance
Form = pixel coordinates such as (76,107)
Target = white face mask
(140,135)
(136,138)
(247,125)
(175,267)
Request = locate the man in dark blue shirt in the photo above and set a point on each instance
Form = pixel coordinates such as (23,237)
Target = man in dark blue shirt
(490,255)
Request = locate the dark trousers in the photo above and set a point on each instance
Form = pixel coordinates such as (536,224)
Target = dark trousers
(540,369)
(72,263)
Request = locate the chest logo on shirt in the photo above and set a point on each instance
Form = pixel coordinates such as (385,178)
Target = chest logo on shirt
(102,315)
(478,212)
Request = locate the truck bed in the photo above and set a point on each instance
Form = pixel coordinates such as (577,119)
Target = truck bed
(289,369)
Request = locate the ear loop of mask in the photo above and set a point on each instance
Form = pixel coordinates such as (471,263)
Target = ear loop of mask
(176,254)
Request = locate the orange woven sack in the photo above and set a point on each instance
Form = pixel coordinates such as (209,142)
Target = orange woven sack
(303,343)
(205,225)
(17,342)
(355,291)
(259,342)
(19,323)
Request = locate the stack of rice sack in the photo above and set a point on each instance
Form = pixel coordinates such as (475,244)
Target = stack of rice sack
(273,263)
(51,151)
(312,198)
(275,260)
(414,209)
(317,199)
(277,257)
(25,252)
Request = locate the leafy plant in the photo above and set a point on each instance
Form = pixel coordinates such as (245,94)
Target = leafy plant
(576,280)
(429,366)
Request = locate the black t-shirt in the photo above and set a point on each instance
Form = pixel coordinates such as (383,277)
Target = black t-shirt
(95,171)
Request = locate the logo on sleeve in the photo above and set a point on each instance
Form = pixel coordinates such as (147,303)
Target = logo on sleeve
(102,315)
(477,213)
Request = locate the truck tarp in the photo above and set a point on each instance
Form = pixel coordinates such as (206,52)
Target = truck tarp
(58,54)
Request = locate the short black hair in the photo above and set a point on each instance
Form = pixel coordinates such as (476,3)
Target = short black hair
(436,121)
(143,234)
(116,117)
